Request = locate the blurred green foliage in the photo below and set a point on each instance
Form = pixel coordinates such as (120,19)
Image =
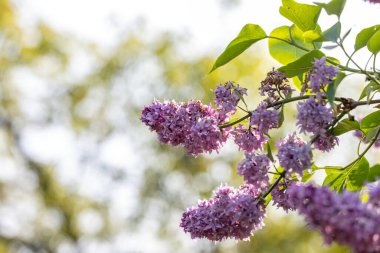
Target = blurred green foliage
(104,100)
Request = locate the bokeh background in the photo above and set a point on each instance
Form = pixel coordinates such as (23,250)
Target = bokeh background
(79,172)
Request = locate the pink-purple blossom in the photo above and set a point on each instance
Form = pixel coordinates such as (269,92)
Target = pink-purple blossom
(192,124)
(319,77)
(254,168)
(264,119)
(227,97)
(231,213)
(342,218)
(248,139)
(313,117)
(275,85)
(294,155)
(280,197)
(326,142)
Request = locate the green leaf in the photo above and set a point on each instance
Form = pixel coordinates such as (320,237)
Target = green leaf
(305,16)
(351,178)
(374,173)
(282,51)
(371,133)
(248,35)
(331,89)
(334,7)
(308,174)
(370,121)
(301,65)
(357,174)
(364,36)
(374,43)
(331,34)
(335,179)
(366,92)
(345,126)
(311,35)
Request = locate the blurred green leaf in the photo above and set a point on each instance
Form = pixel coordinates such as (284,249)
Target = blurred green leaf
(305,16)
(248,35)
(331,89)
(374,43)
(301,65)
(357,174)
(370,121)
(345,126)
(282,51)
(366,92)
(374,173)
(334,7)
(364,36)
(331,34)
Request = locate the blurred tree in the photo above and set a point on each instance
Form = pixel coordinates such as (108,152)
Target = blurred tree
(53,83)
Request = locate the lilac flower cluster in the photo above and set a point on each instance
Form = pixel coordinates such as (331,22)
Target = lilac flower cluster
(264,119)
(319,76)
(275,85)
(232,213)
(294,155)
(280,197)
(192,124)
(248,139)
(227,97)
(341,218)
(254,168)
(313,117)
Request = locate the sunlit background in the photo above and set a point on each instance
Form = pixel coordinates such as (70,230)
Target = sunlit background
(79,172)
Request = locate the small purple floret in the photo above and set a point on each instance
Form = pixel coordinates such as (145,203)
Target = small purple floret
(248,139)
(264,119)
(254,168)
(294,155)
(227,97)
(313,117)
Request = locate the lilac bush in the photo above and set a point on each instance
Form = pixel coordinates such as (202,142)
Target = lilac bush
(335,209)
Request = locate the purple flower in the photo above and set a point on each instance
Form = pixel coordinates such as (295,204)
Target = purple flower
(227,97)
(264,119)
(248,139)
(319,76)
(232,213)
(274,85)
(192,124)
(205,136)
(254,168)
(313,117)
(280,197)
(294,155)
(339,217)
(326,142)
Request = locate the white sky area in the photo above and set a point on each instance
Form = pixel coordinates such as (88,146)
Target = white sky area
(209,27)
